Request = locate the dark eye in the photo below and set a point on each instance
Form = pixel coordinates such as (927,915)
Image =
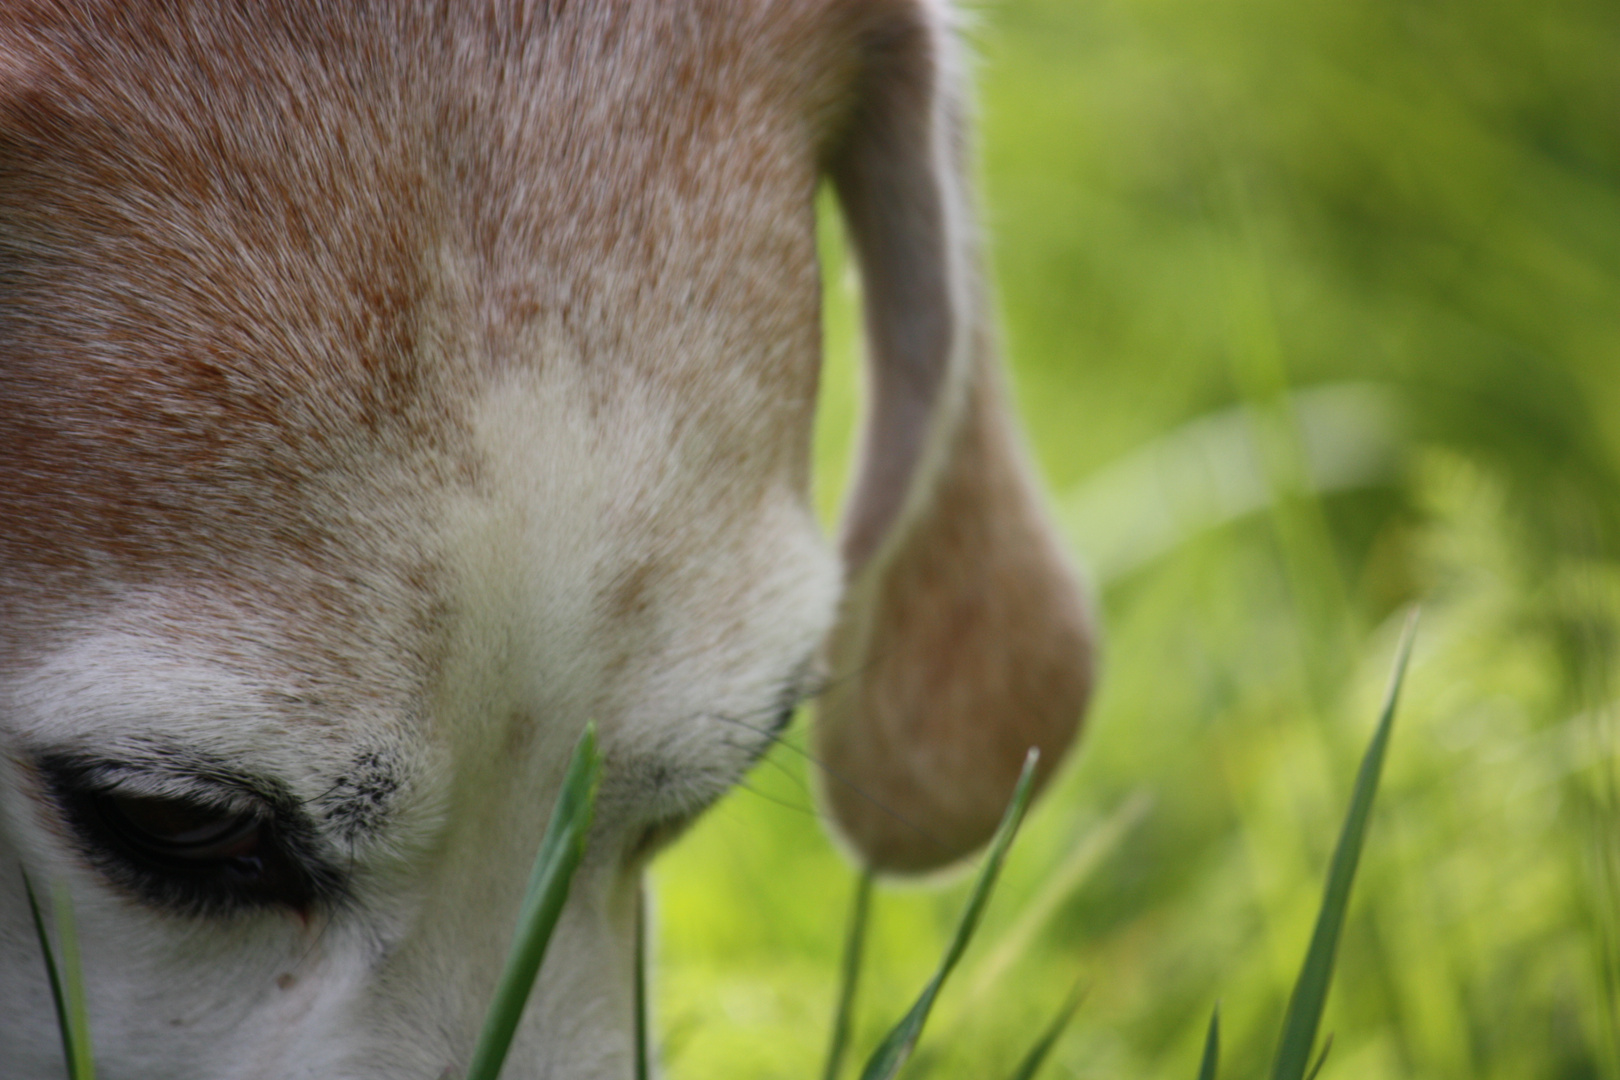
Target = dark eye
(198,857)
(249,848)
(180,833)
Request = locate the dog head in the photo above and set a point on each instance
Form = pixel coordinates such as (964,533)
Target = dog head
(386,390)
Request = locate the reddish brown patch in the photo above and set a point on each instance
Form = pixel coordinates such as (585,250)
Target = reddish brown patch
(226,332)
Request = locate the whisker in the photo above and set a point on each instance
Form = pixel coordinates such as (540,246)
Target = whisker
(839,777)
(757,793)
(796,779)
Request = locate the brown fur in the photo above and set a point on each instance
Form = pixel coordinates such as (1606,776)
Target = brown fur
(226,270)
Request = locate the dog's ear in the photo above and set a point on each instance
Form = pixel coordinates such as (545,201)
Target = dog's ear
(963,639)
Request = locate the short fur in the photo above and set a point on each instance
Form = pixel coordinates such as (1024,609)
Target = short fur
(387,389)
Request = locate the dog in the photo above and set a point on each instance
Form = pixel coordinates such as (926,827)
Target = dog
(390,387)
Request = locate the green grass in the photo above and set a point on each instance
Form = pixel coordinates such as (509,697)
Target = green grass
(1054,1030)
(1309,997)
(1310,992)
(1209,1065)
(1293,1061)
(849,974)
(1360,263)
(897,1046)
(560,851)
(66,976)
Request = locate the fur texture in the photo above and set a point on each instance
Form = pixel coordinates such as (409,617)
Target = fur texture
(387,389)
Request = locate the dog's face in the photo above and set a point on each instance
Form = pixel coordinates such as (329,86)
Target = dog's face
(384,394)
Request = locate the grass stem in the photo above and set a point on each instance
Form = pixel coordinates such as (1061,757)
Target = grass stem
(560,852)
(897,1046)
(1305,1006)
(1209,1067)
(849,975)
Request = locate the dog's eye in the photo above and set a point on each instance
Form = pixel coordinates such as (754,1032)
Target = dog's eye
(243,849)
(193,856)
(181,833)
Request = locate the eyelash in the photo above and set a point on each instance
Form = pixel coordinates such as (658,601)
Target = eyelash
(258,858)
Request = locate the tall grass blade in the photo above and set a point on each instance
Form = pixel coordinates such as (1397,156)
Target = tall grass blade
(1091,847)
(1321,1058)
(560,852)
(896,1047)
(67,983)
(1212,1048)
(64,1022)
(850,975)
(1304,1014)
(1043,1047)
(78,1028)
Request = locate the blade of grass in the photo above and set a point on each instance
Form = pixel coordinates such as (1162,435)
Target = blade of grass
(1321,1058)
(64,1023)
(849,976)
(1212,1048)
(896,1047)
(560,852)
(1054,1030)
(1090,849)
(1310,991)
(67,935)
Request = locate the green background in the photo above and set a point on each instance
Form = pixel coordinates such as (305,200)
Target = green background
(1313,311)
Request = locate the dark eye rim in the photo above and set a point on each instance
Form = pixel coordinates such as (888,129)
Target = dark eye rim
(281,868)
(238,835)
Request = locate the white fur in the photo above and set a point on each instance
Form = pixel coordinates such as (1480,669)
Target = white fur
(393,985)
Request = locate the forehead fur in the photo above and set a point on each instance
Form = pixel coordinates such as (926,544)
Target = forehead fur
(255,258)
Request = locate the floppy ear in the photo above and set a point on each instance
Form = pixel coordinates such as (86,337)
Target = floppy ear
(963,639)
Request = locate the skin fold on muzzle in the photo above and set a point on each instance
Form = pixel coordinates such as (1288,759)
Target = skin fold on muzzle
(387,390)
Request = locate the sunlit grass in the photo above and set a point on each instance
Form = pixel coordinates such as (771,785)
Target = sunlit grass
(1305,1004)
(1200,213)
(896,1048)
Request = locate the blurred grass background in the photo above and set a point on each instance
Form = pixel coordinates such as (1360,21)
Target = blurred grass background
(1313,311)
